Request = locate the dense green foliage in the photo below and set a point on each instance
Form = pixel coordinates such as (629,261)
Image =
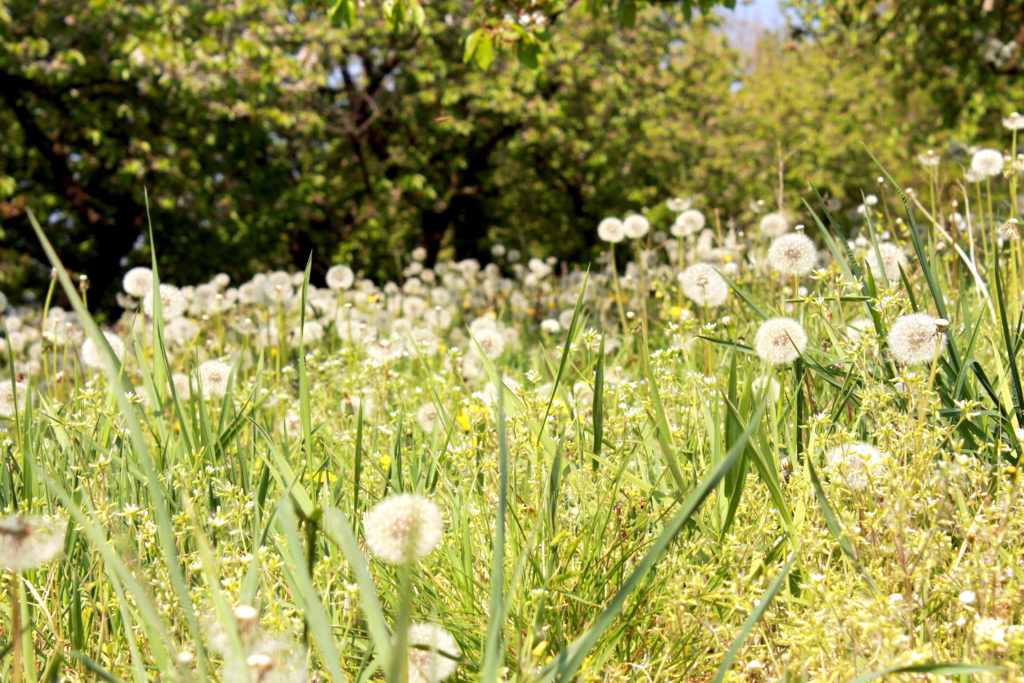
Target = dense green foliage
(264,131)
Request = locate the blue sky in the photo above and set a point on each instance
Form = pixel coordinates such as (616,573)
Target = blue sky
(750,18)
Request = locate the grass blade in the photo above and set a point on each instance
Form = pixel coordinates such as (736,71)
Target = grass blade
(751,621)
(565,665)
(493,651)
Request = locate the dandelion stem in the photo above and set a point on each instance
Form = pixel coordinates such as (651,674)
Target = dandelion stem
(16,644)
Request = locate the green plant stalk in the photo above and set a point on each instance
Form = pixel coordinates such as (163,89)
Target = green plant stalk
(618,290)
(1014,175)
(16,635)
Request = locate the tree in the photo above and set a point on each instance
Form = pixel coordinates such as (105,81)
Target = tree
(263,133)
(965,57)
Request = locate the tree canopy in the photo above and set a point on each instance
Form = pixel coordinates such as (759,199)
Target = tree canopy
(264,131)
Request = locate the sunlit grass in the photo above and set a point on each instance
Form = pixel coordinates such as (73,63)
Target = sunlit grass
(637,481)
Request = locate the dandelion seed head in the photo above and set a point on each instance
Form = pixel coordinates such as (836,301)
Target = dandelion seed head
(916,338)
(11,397)
(29,542)
(91,353)
(892,259)
(689,222)
(172,302)
(550,326)
(490,342)
(339,277)
(405,526)
(427,416)
(987,162)
(636,226)
(780,340)
(138,282)
(704,286)
(857,463)
(213,378)
(1014,121)
(611,230)
(792,254)
(774,224)
(433,653)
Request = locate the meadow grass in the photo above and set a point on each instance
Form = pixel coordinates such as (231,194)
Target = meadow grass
(635,483)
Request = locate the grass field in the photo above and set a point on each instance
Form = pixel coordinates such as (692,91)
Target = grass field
(765,468)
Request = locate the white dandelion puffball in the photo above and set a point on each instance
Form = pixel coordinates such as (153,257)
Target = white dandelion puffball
(704,286)
(611,230)
(893,258)
(858,463)
(780,340)
(490,342)
(91,353)
(774,224)
(433,653)
(636,226)
(213,378)
(12,397)
(858,328)
(917,338)
(405,526)
(427,416)
(172,302)
(1014,121)
(182,385)
(340,277)
(793,254)
(987,162)
(28,542)
(138,281)
(689,222)
(550,326)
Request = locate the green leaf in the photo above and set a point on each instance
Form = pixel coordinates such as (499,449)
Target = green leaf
(938,669)
(565,665)
(751,621)
(484,52)
(493,652)
(528,53)
(471,44)
(343,12)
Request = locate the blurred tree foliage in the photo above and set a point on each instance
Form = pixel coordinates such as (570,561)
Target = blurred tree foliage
(263,130)
(960,60)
